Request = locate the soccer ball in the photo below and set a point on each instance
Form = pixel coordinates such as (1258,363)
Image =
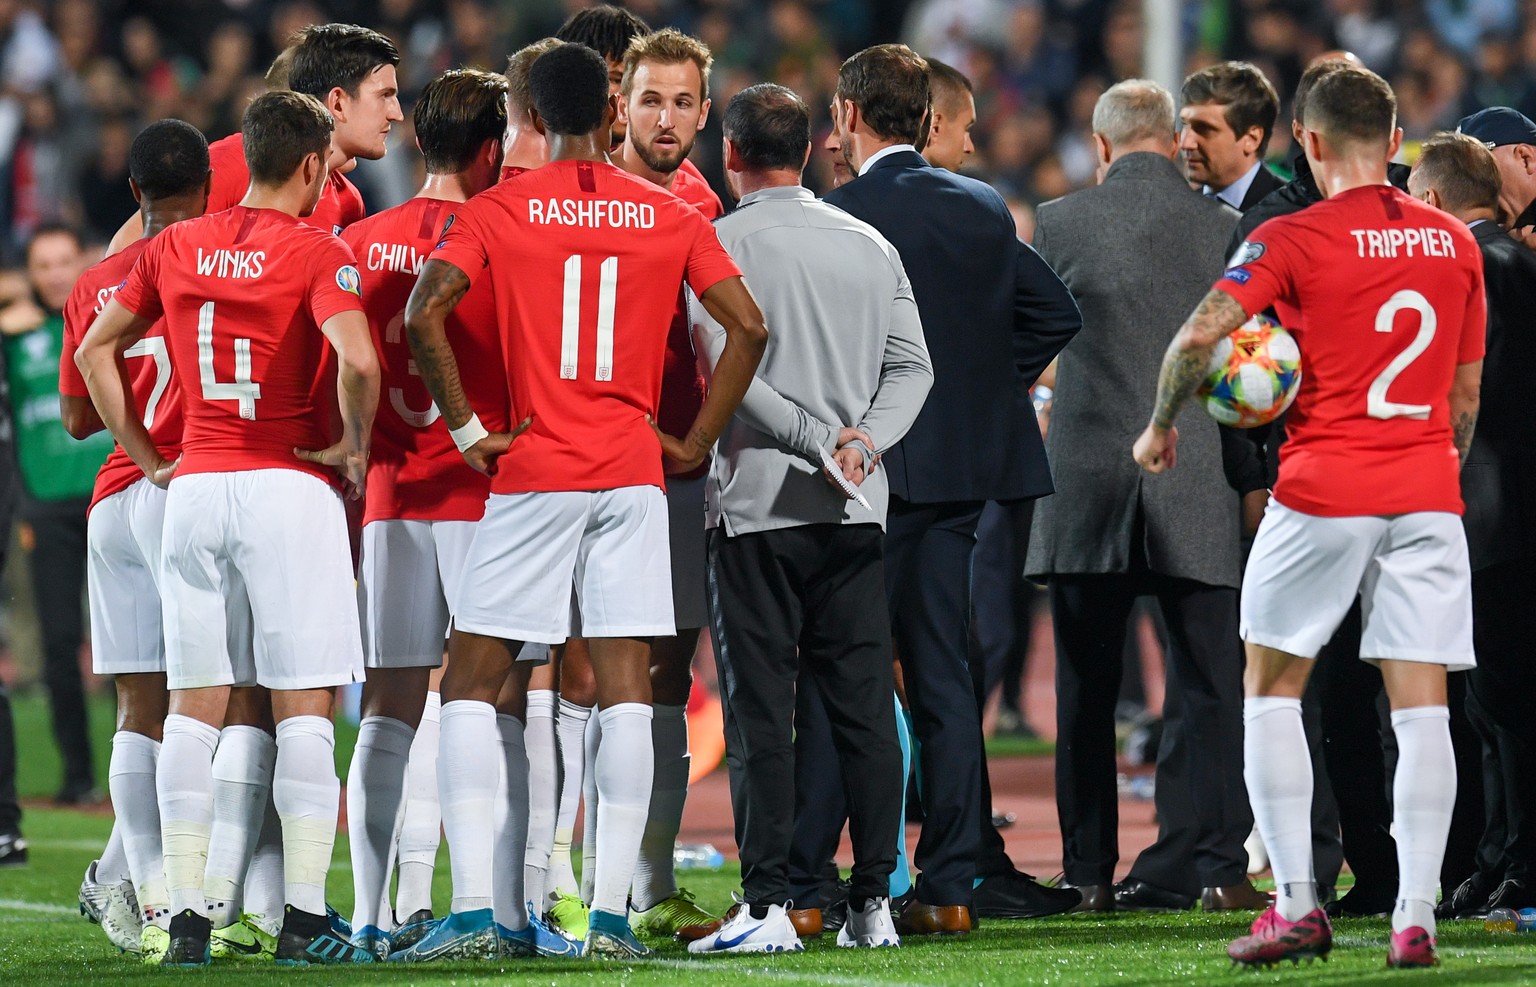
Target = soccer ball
(1253,375)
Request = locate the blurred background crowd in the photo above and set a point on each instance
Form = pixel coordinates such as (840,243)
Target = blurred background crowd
(78,78)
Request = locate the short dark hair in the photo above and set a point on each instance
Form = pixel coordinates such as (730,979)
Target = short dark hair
(604,28)
(280,130)
(946,84)
(1352,106)
(330,56)
(168,157)
(1461,169)
(519,100)
(1248,97)
(569,84)
(770,127)
(456,114)
(51,228)
(889,84)
(1309,79)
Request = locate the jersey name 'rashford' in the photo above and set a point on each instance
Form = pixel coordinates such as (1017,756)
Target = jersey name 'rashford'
(615,213)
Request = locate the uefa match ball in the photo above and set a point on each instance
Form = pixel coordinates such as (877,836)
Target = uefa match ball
(1253,374)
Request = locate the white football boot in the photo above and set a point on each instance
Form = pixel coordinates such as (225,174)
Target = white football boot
(114,907)
(870,928)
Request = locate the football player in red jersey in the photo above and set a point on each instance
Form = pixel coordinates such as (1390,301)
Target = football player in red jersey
(168,168)
(1385,297)
(664,102)
(253,524)
(575,528)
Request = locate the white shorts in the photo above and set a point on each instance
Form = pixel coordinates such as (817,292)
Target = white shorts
(1410,570)
(279,538)
(409,572)
(551,565)
(122,574)
(685,535)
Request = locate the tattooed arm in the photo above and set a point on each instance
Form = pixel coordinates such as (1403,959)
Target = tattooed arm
(1183,368)
(1466,393)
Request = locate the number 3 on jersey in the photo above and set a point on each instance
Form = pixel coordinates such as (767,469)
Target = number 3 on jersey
(242,388)
(570,322)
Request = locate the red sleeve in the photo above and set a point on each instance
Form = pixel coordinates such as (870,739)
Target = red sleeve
(335,285)
(462,243)
(140,294)
(1261,271)
(1474,324)
(231,175)
(77,319)
(708,263)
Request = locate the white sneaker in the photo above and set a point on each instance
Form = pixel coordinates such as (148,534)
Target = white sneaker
(742,933)
(869,928)
(114,907)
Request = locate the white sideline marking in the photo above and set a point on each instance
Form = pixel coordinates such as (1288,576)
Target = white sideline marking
(19,905)
(783,976)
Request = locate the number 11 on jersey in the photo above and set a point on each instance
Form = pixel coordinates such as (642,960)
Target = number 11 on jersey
(570,321)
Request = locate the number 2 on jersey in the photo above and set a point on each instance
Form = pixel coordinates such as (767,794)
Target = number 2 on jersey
(570,321)
(1376,403)
(242,388)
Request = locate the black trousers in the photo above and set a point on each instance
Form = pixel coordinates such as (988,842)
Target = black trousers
(1202,804)
(1501,703)
(928,549)
(802,608)
(1001,597)
(57,568)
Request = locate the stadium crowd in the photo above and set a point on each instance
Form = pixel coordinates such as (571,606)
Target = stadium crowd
(940,306)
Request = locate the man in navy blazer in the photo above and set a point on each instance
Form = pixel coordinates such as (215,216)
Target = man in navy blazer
(994,315)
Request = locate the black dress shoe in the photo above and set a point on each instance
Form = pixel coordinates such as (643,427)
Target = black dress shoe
(1096,898)
(1513,894)
(1013,894)
(1361,902)
(1132,895)
(834,908)
(1469,900)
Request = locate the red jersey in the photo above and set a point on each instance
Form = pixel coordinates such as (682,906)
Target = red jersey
(155,390)
(586,263)
(243,293)
(1384,295)
(682,384)
(341,204)
(414,469)
(511,171)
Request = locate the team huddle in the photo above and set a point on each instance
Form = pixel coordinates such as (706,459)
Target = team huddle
(495,385)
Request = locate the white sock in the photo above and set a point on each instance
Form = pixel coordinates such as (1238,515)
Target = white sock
(242,780)
(571,726)
(421,825)
(654,879)
(131,780)
(1278,771)
(590,742)
(1423,795)
(112,865)
(264,892)
(307,794)
(375,792)
(543,792)
(184,787)
(467,775)
(624,766)
(511,816)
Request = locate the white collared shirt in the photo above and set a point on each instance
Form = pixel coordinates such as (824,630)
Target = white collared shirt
(1234,194)
(884,152)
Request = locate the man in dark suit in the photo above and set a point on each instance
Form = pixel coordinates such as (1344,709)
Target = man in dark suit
(1458,174)
(1228,114)
(994,315)
(1110,535)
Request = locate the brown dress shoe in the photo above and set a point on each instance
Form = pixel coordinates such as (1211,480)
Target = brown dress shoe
(918,919)
(1242,897)
(1096,898)
(807,921)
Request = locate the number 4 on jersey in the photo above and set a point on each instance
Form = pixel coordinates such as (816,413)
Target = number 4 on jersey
(242,388)
(570,322)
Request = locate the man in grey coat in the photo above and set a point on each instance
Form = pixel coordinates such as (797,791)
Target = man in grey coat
(1136,252)
(797,511)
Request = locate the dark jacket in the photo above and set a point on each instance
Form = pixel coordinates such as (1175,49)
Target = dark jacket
(994,316)
(1498,481)
(1264,182)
